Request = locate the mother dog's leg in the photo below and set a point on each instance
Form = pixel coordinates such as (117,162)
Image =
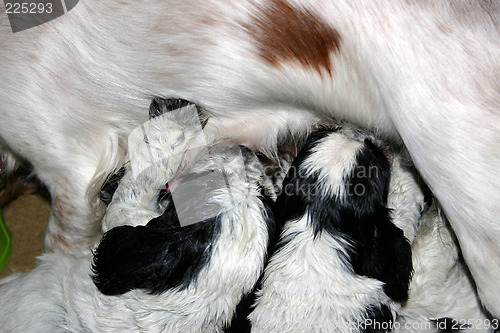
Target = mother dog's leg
(61,113)
(448,115)
(460,161)
(69,167)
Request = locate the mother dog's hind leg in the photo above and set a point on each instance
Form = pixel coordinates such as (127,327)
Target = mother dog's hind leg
(74,182)
(73,227)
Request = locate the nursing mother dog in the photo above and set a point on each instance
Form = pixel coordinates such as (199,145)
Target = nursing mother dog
(422,73)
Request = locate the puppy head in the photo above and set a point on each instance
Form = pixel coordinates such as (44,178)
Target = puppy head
(167,253)
(152,257)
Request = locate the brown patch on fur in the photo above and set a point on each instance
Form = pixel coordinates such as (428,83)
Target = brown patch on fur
(286,33)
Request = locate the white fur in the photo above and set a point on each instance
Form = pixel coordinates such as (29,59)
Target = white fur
(333,160)
(441,285)
(308,287)
(427,72)
(159,151)
(406,197)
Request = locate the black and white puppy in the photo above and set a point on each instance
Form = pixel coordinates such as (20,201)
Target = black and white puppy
(341,265)
(208,248)
(181,270)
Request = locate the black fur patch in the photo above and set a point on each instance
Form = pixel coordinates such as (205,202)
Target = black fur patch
(155,257)
(379,249)
(383,252)
(167,220)
(159,106)
(428,198)
(292,202)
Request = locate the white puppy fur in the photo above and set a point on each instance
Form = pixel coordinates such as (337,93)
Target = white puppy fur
(158,151)
(425,74)
(441,286)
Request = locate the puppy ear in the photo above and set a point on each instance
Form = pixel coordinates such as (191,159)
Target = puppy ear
(155,257)
(383,252)
(387,257)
